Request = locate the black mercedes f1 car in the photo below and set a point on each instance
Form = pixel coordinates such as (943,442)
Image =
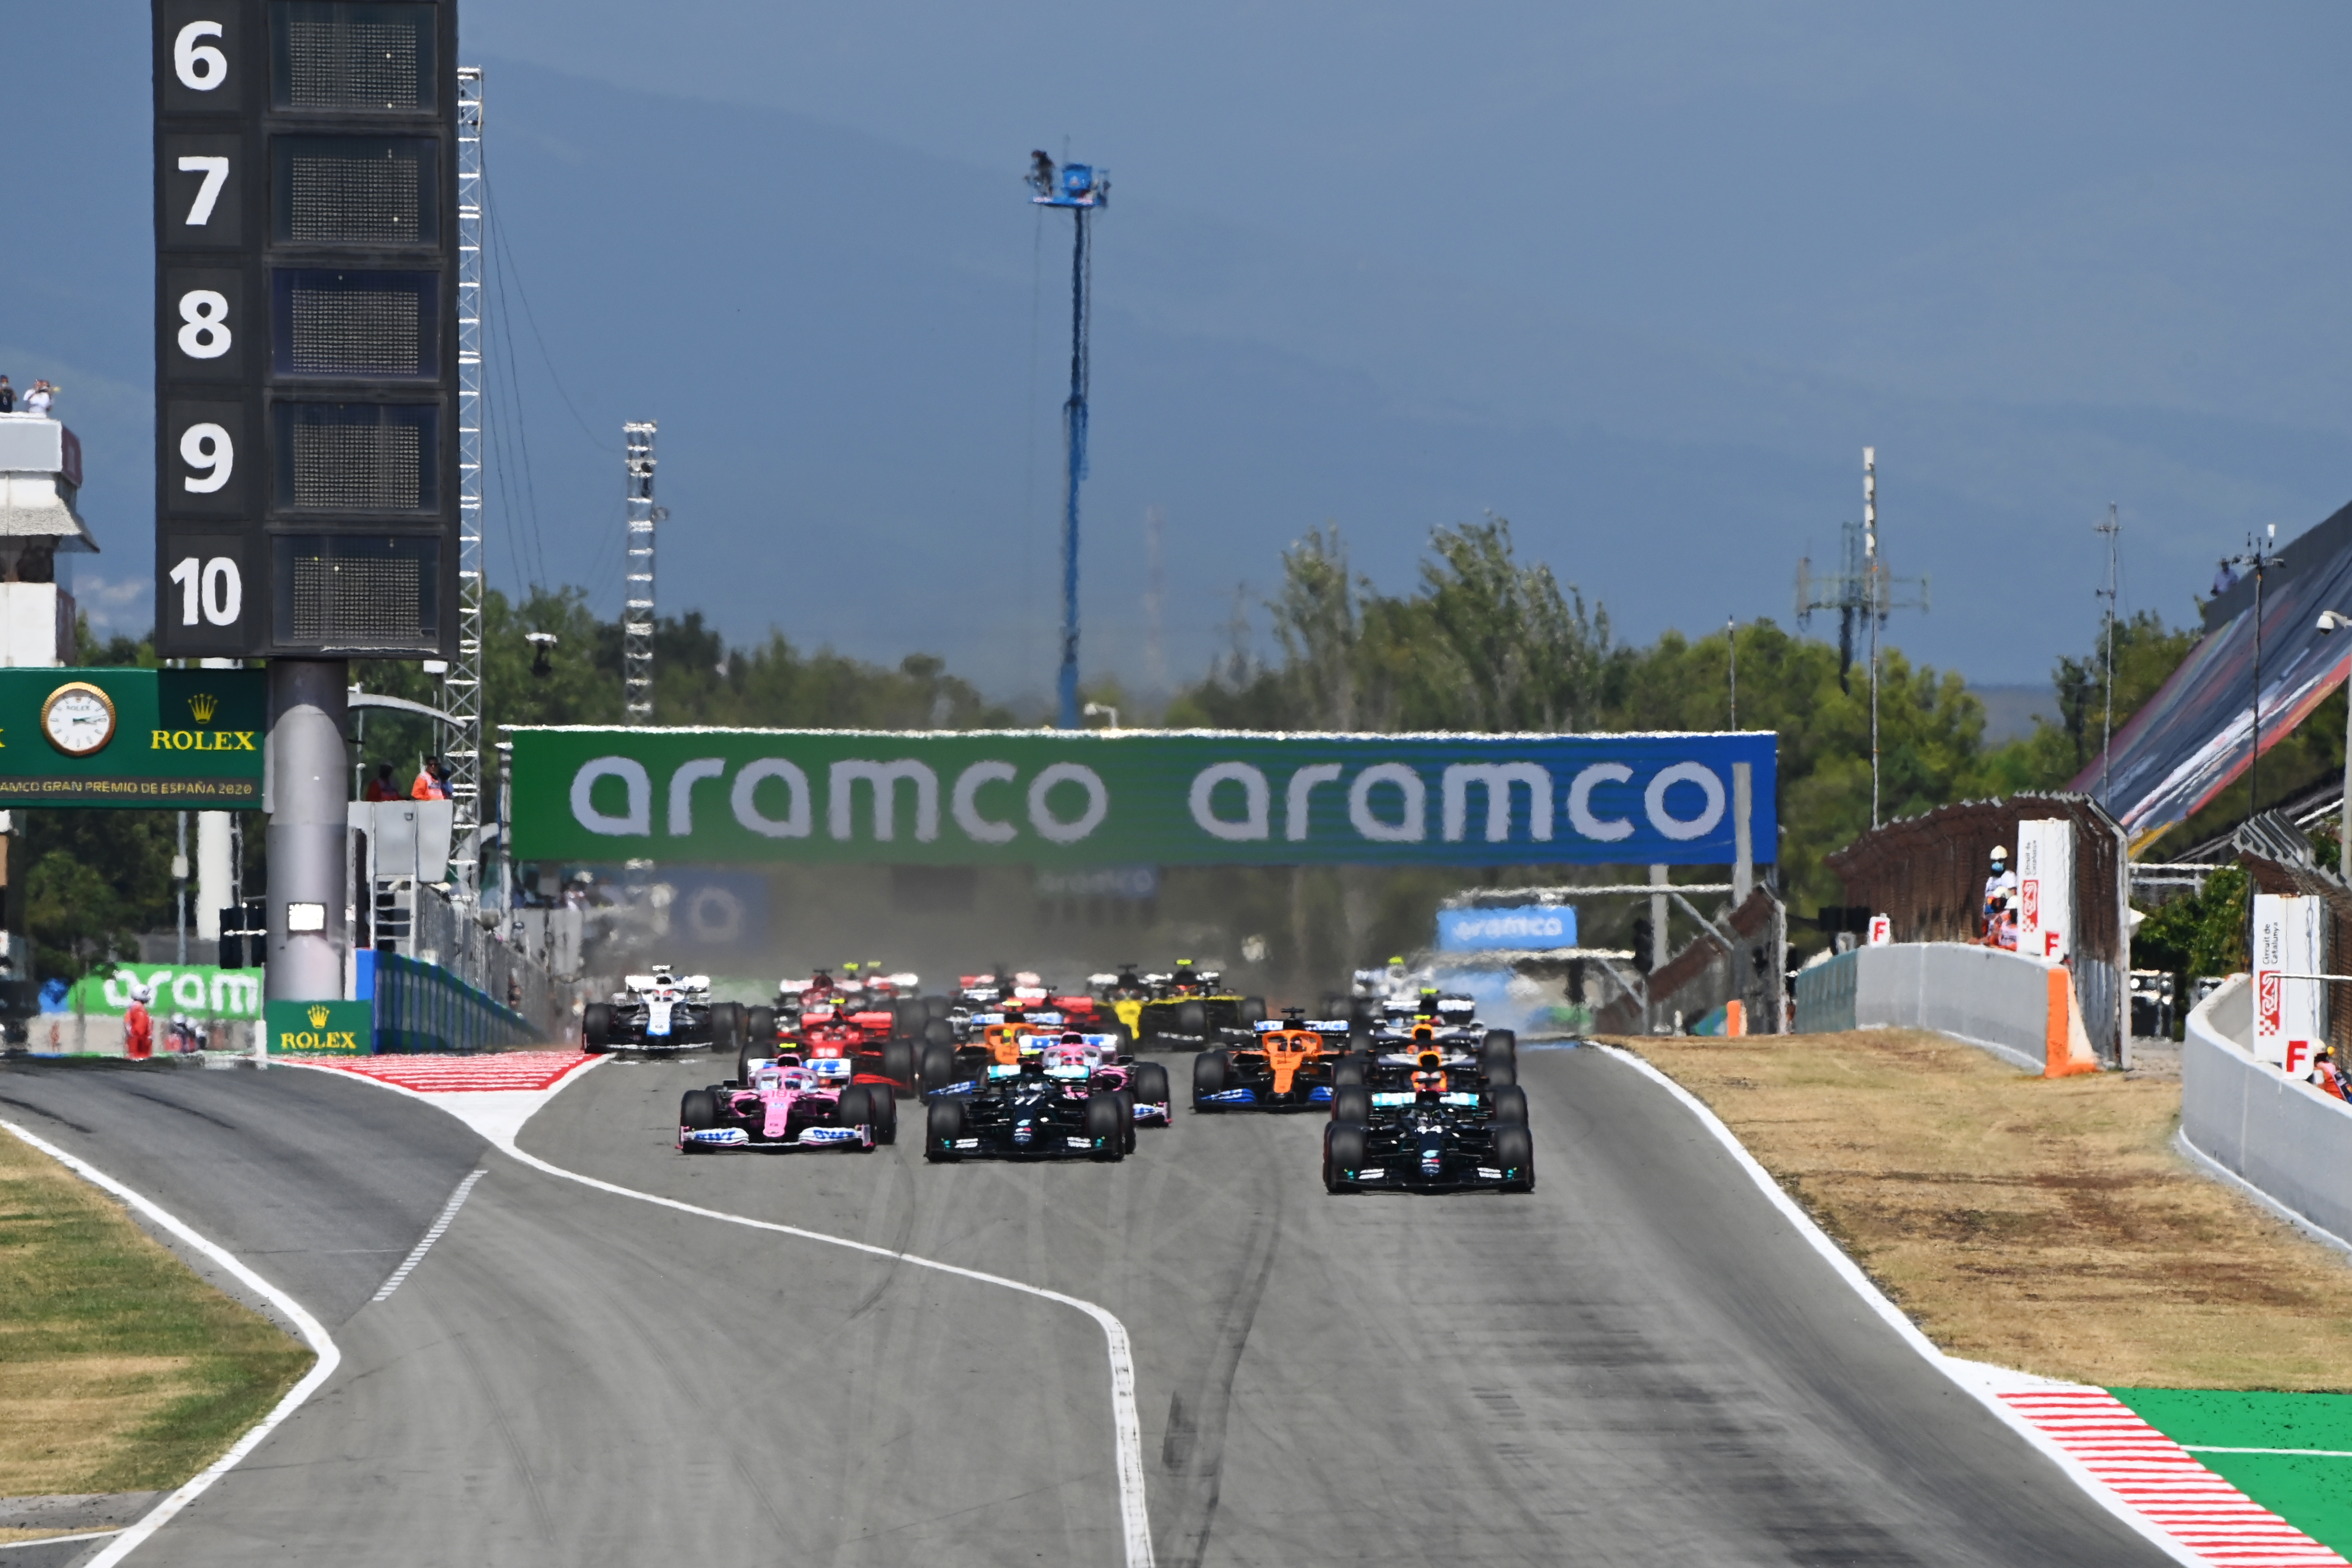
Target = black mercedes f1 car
(1041,1108)
(1429,1139)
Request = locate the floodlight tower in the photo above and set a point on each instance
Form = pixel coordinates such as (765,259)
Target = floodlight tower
(1081,188)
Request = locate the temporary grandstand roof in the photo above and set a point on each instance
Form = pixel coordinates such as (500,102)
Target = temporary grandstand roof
(2190,741)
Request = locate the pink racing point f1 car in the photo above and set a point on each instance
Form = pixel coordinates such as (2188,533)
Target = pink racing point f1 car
(788,1104)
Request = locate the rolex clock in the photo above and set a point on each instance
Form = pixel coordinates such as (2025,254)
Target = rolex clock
(78,719)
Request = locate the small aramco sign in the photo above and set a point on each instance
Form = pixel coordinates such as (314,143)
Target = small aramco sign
(1530,928)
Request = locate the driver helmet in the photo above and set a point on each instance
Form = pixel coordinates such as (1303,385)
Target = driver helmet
(799,1079)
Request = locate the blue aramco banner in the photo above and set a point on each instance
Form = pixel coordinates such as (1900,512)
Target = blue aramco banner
(1161,797)
(1530,926)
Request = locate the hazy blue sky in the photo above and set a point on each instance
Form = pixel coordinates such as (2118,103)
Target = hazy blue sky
(1645,279)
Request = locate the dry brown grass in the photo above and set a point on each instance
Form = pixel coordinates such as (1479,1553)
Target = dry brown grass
(120,1370)
(2043,1225)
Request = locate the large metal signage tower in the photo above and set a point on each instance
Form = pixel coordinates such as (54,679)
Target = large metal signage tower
(306,363)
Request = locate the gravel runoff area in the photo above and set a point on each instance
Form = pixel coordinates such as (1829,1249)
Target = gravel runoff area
(2046,1224)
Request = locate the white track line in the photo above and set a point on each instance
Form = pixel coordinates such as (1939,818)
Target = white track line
(417,1255)
(1127,1429)
(1871,1297)
(321,1344)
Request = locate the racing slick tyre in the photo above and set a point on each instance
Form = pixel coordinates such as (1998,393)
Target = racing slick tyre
(907,1017)
(1192,1020)
(1363,1016)
(1510,1105)
(1208,1079)
(1351,1104)
(760,1030)
(855,1108)
(939,1032)
(942,1125)
(697,1110)
(1103,1130)
(1125,1120)
(1149,1084)
(1343,1149)
(1498,1058)
(596,1027)
(935,1009)
(1253,1011)
(1515,1151)
(726,1026)
(745,1056)
(1347,1069)
(898,1064)
(885,1107)
(939,1067)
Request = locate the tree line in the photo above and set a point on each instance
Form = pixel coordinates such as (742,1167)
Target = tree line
(1482,640)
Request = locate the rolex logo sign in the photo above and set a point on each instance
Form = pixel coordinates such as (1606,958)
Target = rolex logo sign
(321,1028)
(203,705)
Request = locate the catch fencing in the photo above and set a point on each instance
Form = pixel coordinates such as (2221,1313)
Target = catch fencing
(1926,873)
(503,973)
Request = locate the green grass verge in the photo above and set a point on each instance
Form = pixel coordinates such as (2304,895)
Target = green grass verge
(120,1370)
(2312,1491)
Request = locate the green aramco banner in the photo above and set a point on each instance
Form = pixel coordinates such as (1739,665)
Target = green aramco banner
(1142,797)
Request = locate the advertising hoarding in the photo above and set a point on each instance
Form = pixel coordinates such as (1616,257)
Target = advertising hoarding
(1142,797)
(2290,938)
(1528,928)
(133,738)
(2045,889)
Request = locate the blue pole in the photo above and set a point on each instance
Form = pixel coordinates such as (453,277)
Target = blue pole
(1073,429)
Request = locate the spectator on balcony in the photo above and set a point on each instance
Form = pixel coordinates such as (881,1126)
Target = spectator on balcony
(2323,1074)
(432,781)
(2001,902)
(37,401)
(382,786)
(7,397)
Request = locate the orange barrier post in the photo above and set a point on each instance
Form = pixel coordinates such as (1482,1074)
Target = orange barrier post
(1735,1018)
(2066,1049)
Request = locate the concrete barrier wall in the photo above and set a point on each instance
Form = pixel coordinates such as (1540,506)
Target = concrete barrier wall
(1984,995)
(2282,1137)
(1988,997)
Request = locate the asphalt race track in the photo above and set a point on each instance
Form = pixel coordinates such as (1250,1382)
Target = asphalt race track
(1642,1362)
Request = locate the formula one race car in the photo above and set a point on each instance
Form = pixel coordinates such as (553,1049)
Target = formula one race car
(1012,1038)
(661,1012)
(1055,1103)
(787,1104)
(1431,1135)
(1449,1025)
(881,1056)
(1186,1007)
(1293,1064)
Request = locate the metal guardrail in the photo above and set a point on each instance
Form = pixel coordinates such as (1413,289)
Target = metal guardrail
(424,1007)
